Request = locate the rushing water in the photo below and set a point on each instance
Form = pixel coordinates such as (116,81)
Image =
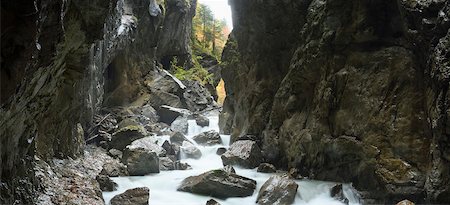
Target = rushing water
(163,186)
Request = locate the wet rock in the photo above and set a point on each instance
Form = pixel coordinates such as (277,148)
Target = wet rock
(294,173)
(180,125)
(337,193)
(221,150)
(115,153)
(182,166)
(136,196)
(126,135)
(106,184)
(168,114)
(229,169)
(171,149)
(405,202)
(177,138)
(243,153)
(190,150)
(166,163)
(212,202)
(277,190)
(218,183)
(140,161)
(208,138)
(201,120)
(266,168)
(114,169)
(148,143)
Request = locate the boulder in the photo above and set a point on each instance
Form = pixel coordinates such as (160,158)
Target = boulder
(212,202)
(190,150)
(171,149)
(140,161)
(126,135)
(182,166)
(180,125)
(337,193)
(159,128)
(106,184)
(114,169)
(201,121)
(266,168)
(148,143)
(219,183)
(168,114)
(165,163)
(136,196)
(178,138)
(405,202)
(221,150)
(115,153)
(229,169)
(277,190)
(243,153)
(208,138)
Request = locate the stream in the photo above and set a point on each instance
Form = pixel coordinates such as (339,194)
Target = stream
(163,185)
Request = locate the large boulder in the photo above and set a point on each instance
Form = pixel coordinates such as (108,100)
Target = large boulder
(201,120)
(218,183)
(180,124)
(190,150)
(266,168)
(243,153)
(277,190)
(140,161)
(168,114)
(148,143)
(171,149)
(338,193)
(212,202)
(136,196)
(208,138)
(124,136)
(178,138)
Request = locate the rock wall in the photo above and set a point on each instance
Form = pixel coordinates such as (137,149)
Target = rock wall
(349,91)
(69,59)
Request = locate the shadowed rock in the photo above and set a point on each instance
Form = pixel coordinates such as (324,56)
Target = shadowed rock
(277,190)
(140,161)
(243,153)
(208,138)
(136,196)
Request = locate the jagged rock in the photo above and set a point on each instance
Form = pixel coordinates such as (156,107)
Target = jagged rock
(136,196)
(146,114)
(221,150)
(337,193)
(405,202)
(190,150)
(140,161)
(218,183)
(182,166)
(208,138)
(180,125)
(106,184)
(229,169)
(115,153)
(201,120)
(266,168)
(159,128)
(197,96)
(168,114)
(212,202)
(277,190)
(114,169)
(125,136)
(148,143)
(178,138)
(171,149)
(243,153)
(166,163)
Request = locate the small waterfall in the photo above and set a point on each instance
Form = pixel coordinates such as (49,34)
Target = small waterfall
(163,186)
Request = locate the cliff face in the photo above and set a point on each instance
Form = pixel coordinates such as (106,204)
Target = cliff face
(62,63)
(351,91)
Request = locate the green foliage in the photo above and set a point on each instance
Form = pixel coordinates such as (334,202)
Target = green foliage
(197,72)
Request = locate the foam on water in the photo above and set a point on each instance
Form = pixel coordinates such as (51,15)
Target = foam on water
(163,186)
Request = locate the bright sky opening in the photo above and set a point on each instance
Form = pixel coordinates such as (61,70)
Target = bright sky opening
(220,9)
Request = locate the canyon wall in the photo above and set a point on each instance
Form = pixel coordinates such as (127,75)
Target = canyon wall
(346,90)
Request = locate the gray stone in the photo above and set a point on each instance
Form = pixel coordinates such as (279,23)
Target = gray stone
(190,150)
(277,190)
(148,143)
(136,196)
(177,138)
(114,169)
(140,161)
(219,183)
(125,136)
(243,153)
(106,184)
(180,125)
(266,168)
(201,120)
(221,150)
(208,138)
(212,202)
(115,153)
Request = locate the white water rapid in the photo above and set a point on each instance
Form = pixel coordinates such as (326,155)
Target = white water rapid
(163,186)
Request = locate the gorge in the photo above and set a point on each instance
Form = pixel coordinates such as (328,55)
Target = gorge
(346,99)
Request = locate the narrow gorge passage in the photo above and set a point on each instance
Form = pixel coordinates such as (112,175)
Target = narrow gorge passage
(225,102)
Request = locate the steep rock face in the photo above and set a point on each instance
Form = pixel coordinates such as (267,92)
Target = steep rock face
(357,91)
(70,59)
